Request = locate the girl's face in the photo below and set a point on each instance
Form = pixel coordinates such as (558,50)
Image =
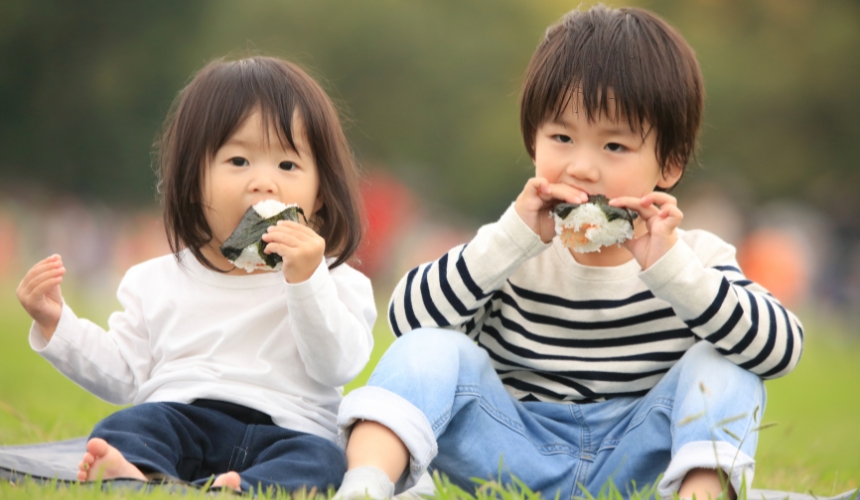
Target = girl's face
(253,166)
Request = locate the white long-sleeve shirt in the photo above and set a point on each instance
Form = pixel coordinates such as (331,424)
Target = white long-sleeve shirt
(187,332)
(556,330)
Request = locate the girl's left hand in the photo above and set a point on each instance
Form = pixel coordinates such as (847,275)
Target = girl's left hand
(661,215)
(300,246)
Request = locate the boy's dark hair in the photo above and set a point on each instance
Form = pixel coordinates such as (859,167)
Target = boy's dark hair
(629,55)
(213,106)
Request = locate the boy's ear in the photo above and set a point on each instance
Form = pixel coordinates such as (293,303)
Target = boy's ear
(670,176)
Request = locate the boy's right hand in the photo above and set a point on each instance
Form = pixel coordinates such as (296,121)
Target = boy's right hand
(39,293)
(538,198)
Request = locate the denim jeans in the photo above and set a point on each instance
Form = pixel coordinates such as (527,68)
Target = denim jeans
(439,393)
(194,442)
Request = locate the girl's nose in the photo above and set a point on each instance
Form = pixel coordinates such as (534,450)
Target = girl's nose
(262,182)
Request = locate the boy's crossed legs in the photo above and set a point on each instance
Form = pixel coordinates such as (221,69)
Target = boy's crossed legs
(438,386)
(198,441)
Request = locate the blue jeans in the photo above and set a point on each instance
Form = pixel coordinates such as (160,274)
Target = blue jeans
(439,393)
(194,442)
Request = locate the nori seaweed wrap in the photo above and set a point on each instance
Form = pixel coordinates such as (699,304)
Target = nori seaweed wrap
(244,247)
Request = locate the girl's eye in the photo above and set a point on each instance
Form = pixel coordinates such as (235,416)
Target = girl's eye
(563,138)
(615,147)
(287,165)
(238,162)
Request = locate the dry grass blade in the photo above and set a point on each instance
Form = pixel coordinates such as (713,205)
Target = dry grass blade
(691,418)
(730,420)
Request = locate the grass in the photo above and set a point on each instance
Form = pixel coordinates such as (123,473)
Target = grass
(814,447)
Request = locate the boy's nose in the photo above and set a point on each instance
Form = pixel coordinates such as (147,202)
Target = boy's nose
(582,166)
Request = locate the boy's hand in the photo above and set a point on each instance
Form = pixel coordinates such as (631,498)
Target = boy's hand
(300,246)
(39,293)
(538,198)
(661,216)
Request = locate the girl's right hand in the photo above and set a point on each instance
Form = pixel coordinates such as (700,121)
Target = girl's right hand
(39,293)
(538,198)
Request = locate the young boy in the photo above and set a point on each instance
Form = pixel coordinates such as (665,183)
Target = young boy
(575,369)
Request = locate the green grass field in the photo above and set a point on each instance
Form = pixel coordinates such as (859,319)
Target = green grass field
(814,448)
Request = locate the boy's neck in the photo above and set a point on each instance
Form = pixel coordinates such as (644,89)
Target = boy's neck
(610,256)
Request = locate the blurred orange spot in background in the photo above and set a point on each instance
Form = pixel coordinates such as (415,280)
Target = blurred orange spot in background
(9,241)
(776,260)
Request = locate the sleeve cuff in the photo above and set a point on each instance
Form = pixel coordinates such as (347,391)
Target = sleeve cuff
(43,346)
(521,234)
(675,262)
(311,286)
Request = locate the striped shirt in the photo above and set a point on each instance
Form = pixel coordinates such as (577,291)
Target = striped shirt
(558,331)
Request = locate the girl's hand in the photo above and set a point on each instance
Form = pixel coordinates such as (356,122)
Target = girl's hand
(538,198)
(39,293)
(300,246)
(661,215)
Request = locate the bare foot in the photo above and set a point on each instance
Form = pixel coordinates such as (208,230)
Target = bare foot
(103,461)
(229,480)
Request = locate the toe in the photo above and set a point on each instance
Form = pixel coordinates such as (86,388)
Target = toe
(97,447)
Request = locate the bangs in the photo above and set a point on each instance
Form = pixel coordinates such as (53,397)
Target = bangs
(237,89)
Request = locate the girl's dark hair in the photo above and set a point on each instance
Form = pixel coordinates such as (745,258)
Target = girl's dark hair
(629,55)
(213,106)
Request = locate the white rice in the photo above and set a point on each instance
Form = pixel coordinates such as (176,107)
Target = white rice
(586,229)
(271,208)
(250,261)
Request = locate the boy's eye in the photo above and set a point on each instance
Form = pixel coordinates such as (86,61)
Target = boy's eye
(238,162)
(563,138)
(287,165)
(615,147)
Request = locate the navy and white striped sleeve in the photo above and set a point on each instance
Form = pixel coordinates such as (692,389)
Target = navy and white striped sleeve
(707,290)
(451,292)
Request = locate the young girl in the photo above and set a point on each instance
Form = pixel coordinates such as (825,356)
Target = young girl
(232,375)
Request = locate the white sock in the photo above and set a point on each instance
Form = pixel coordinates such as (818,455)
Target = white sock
(365,481)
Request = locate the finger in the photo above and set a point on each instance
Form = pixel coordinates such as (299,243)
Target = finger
(31,282)
(570,194)
(671,212)
(298,228)
(635,204)
(46,286)
(659,198)
(51,262)
(290,228)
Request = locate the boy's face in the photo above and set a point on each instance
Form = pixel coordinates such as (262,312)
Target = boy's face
(602,156)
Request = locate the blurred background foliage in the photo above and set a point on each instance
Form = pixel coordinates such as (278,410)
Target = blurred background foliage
(430,88)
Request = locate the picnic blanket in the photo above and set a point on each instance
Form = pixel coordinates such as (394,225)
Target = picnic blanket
(44,462)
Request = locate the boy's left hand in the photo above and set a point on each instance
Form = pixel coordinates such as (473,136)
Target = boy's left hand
(300,246)
(660,213)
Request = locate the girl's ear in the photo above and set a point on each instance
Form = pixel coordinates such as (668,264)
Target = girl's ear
(318,204)
(670,176)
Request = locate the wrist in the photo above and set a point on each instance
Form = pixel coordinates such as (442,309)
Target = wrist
(47,328)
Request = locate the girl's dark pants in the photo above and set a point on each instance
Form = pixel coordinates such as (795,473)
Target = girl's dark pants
(196,441)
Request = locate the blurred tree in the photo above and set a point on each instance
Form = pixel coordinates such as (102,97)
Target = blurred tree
(431,88)
(84,88)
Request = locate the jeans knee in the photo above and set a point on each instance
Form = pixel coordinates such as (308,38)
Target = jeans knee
(432,346)
(713,372)
(430,356)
